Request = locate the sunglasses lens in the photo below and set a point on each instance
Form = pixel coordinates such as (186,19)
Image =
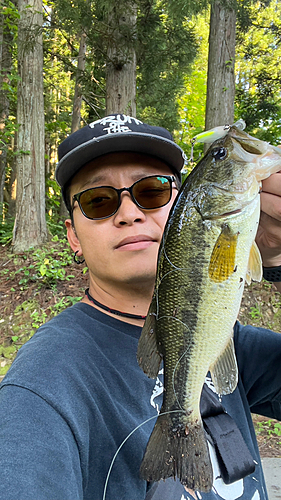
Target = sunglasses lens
(98,203)
(152,192)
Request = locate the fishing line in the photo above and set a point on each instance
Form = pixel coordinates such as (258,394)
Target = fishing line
(185,352)
(173,318)
(184,270)
(126,439)
(179,360)
(163,249)
(173,378)
(173,265)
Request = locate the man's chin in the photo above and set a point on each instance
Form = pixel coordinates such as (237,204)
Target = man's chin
(140,277)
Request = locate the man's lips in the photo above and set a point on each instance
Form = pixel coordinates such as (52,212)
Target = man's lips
(135,242)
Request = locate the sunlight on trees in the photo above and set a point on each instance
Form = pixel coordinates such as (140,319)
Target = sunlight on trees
(258,73)
(170,43)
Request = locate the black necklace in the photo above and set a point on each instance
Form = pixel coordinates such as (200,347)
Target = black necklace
(112,311)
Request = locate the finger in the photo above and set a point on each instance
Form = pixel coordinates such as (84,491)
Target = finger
(271,205)
(272,184)
(270,227)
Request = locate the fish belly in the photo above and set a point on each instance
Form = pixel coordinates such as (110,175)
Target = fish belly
(219,304)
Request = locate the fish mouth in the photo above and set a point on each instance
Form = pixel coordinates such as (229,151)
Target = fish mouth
(226,214)
(233,212)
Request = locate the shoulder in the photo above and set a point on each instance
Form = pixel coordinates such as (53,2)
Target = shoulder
(79,341)
(60,334)
(55,348)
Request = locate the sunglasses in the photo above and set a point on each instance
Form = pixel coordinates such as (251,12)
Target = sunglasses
(147,193)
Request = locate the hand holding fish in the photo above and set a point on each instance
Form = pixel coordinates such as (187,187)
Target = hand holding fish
(269,231)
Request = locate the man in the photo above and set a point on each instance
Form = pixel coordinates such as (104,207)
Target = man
(75,393)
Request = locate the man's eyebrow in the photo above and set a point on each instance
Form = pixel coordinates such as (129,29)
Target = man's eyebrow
(98,179)
(102,180)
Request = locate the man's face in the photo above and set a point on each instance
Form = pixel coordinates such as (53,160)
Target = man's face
(123,248)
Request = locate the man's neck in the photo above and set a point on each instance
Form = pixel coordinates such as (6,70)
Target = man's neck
(126,299)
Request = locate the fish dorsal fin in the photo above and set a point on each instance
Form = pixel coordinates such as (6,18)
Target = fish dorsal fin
(222,263)
(255,265)
(149,358)
(224,371)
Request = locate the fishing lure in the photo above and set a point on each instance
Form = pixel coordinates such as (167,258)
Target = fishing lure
(212,135)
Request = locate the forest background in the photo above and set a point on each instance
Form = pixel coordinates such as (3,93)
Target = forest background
(64,64)
(181,64)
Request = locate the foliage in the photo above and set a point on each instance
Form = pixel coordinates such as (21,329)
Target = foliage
(244,11)
(258,75)
(164,53)
(48,265)
(256,312)
(33,279)
(269,426)
(9,17)
(258,99)
(6,229)
(165,47)
(21,325)
(261,306)
(171,79)
(192,101)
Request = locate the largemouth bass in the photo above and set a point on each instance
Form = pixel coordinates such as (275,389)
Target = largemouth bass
(207,253)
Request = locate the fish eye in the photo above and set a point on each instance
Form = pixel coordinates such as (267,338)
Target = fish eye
(219,153)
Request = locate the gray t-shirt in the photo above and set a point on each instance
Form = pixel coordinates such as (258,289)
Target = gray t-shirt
(74,394)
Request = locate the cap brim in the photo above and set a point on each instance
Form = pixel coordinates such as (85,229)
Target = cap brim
(162,148)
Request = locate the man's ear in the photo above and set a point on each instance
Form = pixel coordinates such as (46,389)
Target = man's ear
(73,238)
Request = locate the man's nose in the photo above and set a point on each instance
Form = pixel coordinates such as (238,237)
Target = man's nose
(128,212)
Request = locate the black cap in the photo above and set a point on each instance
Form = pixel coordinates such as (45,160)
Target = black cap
(112,134)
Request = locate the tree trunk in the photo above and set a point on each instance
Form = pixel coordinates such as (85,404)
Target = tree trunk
(76,113)
(221,78)
(5,70)
(121,60)
(30,224)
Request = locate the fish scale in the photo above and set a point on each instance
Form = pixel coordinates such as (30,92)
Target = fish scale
(206,255)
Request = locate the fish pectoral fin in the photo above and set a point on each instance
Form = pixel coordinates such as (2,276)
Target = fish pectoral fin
(224,371)
(148,355)
(222,262)
(255,265)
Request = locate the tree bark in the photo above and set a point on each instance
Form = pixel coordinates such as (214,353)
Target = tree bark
(76,113)
(221,78)
(5,70)
(121,61)
(30,224)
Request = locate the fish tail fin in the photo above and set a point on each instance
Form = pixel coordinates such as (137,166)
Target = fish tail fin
(178,452)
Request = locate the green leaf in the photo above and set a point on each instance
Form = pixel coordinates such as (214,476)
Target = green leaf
(43,269)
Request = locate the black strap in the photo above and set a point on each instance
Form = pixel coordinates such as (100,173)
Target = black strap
(235,460)
(272,273)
